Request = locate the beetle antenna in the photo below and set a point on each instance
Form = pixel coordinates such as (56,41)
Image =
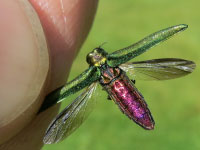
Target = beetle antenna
(102,44)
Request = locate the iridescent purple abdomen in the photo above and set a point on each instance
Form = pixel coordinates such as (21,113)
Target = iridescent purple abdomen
(130,101)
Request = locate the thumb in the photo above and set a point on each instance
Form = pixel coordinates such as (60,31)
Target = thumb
(25,62)
(23,66)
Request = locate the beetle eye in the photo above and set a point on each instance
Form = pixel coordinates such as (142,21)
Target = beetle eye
(95,50)
(88,58)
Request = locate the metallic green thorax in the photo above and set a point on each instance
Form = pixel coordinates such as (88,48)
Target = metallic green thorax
(98,57)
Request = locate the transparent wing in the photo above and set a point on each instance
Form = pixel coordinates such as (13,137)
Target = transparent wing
(83,80)
(159,69)
(71,117)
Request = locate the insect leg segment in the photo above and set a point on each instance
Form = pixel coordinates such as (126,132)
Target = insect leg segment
(133,81)
(109,98)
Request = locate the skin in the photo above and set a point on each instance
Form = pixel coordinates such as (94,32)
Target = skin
(35,59)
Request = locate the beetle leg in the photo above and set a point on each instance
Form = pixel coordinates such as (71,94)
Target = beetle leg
(109,98)
(133,81)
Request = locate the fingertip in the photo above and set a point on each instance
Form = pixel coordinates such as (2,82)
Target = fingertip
(66,24)
(23,65)
(25,61)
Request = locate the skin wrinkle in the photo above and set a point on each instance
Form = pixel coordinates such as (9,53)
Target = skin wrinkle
(62,49)
(76,29)
(51,30)
(63,11)
(25,69)
(18,69)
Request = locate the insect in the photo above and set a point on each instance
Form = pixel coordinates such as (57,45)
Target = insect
(110,71)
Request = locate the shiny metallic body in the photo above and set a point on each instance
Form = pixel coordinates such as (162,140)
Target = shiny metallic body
(110,71)
(124,93)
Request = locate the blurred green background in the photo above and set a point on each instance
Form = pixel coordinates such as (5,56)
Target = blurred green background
(175,104)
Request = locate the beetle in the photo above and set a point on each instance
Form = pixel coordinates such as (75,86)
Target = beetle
(110,70)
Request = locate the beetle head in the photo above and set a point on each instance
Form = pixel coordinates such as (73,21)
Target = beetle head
(97,57)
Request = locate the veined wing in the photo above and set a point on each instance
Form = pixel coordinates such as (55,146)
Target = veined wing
(125,54)
(159,69)
(71,117)
(85,79)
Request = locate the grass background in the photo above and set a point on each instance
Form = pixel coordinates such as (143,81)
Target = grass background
(175,104)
